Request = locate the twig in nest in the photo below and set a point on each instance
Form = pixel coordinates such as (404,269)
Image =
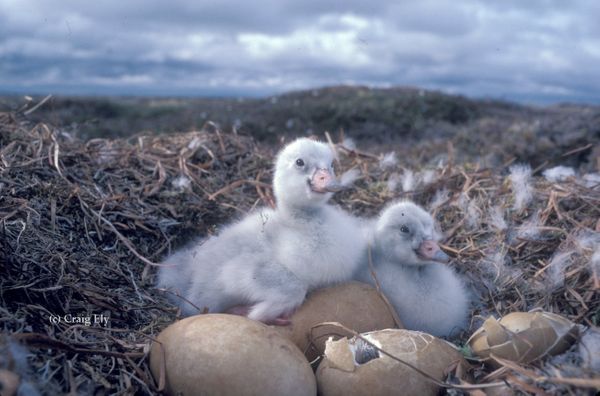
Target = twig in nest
(235,184)
(37,106)
(583,382)
(333,148)
(200,310)
(357,152)
(267,199)
(162,177)
(125,241)
(576,150)
(56,148)
(42,340)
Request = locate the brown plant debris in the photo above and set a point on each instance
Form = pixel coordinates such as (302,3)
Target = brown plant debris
(83,223)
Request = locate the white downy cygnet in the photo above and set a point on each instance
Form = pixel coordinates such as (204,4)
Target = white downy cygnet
(264,265)
(406,257)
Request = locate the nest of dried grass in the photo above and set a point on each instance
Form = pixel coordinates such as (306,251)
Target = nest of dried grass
(83,223)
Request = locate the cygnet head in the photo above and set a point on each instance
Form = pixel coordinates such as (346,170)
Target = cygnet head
(405,233)
(304,174)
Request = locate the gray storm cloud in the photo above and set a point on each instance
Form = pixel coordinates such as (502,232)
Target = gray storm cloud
(536,51)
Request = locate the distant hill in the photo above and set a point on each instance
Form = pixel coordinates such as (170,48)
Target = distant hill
(417,124)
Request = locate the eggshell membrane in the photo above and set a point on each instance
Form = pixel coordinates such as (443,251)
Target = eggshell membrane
(356,305)
(384,375)
(228,355)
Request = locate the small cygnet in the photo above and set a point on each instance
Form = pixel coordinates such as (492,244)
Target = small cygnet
(406,257)
(263,265)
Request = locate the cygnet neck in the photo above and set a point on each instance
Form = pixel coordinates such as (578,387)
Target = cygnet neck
(377,253)
(299,211)
(380,254)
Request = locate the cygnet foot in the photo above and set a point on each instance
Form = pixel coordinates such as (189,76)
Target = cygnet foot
(240,310)
(281,320)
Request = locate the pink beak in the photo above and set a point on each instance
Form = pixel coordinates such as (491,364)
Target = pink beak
(323,181)
(430,250)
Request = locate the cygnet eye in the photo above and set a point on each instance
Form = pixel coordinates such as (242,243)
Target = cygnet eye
(300,162)
(404,229)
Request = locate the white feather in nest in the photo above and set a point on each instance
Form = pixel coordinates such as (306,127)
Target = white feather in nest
(595,263)
(470,209)
(388,161)
(408,180)
(584,356)
(581,245)
(440,198)
(588,245)
(182,183)
(530,228)
(558,173)
(496,269)
(349,143)
(428,176)
(496,218)
(393,181)
(520,180)
(555,273)
(591,180)
(589,349)
(349,177)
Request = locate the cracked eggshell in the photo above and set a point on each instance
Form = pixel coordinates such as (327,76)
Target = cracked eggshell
(523,337)
(356,305)
(340,374)
(228,355)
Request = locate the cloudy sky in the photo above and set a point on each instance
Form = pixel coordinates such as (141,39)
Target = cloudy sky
(537,51)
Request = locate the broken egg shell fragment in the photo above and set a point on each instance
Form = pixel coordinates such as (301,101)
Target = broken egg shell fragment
(340,374)
(218,354)
(356,305)
(523,337)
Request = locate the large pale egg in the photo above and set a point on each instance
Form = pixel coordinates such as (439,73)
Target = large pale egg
(217,354)
(357,306)
(353,367)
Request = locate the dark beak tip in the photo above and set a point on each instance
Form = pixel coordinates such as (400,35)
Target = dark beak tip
(336,188)
(441,257)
